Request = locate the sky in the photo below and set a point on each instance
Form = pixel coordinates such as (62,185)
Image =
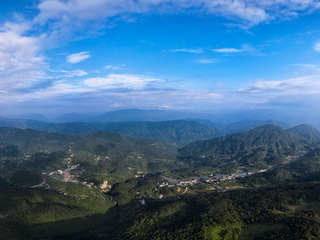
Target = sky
(60,56)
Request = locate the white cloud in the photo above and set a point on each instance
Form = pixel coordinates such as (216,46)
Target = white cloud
(75,73)
(78,57)
(246,12)
(116,105)
(120,80)
(245,49)
(205,61)
(305,65)
(227,50)
(59,89)
(20,61)
(22,44)
(317,47)
(307,85)
(112,67)
(188,50)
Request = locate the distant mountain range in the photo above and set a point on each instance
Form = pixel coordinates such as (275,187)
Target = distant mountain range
(75,117)
(246,125)
(137,115)
(125,115)
(178,132)
(213,119)
(294,116)
(30,116)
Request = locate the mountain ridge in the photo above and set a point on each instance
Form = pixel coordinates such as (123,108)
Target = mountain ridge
(247,124)
(306,130)
(257,148)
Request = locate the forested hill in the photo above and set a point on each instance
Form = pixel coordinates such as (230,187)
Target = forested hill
(306,168)
(269,137)
(109,154)
(32,140)
(307,131)
(178,132)
(116,146)
(99,143)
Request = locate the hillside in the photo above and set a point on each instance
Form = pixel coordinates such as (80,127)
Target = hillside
(246,125)
(266,145)
(306,131)
(266,136)
(207,122)
(177,132)
(306,168)
(32,141)
(279,212)
(110,154)
(130,166)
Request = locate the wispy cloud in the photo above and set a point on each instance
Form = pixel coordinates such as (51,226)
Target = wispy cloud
(112,67)
(227,50)
(205,61)
(245,49)
(317,46)
(246,13)
(78,57)
(305,65)
(306,85)
(75,73)
(120,80)
(198,50)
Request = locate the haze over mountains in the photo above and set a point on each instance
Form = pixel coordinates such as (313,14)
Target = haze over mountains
(294,116)
(142,124)
(134,115)
(216,120)
(246,125)
(31,116)
(178,132)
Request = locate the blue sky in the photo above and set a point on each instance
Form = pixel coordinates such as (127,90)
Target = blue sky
(59,56)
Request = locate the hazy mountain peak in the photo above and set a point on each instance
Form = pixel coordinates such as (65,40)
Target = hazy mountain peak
(31,116)
(306,130)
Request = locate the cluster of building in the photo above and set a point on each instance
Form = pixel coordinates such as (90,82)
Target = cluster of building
(220,177)
(215,179)
(67,177)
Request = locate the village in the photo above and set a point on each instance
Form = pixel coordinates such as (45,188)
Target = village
(216,179)
(213,179)
(65,175)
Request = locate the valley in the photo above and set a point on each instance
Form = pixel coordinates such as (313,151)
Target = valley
(100,176)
